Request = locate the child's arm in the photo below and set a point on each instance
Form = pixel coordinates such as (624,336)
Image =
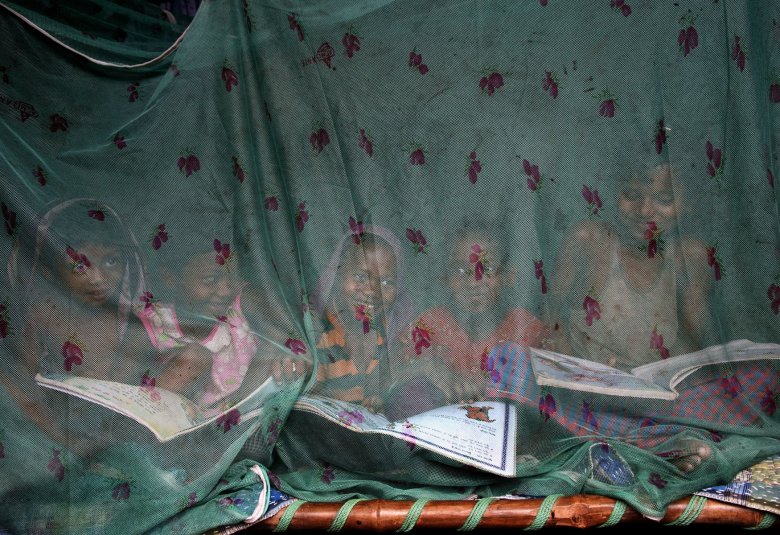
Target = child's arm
(182,371)
(695,292)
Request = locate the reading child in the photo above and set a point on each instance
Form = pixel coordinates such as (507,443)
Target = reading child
(363,310)
(207,344)
(481,312)
(77,274)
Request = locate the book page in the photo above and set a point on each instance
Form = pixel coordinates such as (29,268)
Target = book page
(164,413)
(564,371)
(478,434)
(672,371)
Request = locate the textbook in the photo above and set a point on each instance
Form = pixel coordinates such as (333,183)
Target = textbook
(656,380)
(165,413)
(479,434)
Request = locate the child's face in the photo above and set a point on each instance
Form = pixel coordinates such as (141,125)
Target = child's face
(470,294)
(653,199)
(94,277)
(206,286)
(368,278)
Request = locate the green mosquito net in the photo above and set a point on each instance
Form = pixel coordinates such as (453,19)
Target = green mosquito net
(381,206)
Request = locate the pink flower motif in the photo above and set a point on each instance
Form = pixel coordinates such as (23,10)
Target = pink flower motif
(271,203)
(39,175)
(657,481)
(365,143)
(607,108)
(621,6)
(238,171)
(774,93)
(770,178)
(421,336)
(543,3)
(774,296)
(477,257)
(539,274)
(133,90)
(351,43)
(147,298)
(9,216)
(223,252)
(119,141)
(714,262)
(2,451)
(550,84)
(737,54)
(295,25)
(768,402)
(192,499)
(357,228)
(296,346)
(488,365)
(418,240)
(229,419)
(328,474)
(362,315)
(731,386)
(474,168)
(55,465)
(491,82)
(121,491)
(652,236)
(535,180)
(415,62)
(547,406)
(417,157)
(688,38)
(72,354)
(588,416)
(319,139)
(99,215)
(592,198)
(79,261)
(657,342)
(159,236)
(592,310)
(188,164)
(715,158)
(660,137)
(58,123)
(148,385)
(174,69)
(301,217)
(230,78)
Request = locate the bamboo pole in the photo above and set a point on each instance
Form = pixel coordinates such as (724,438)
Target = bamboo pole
(581,511)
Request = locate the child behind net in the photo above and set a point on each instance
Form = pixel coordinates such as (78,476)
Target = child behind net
(480,312)
(364,312)
(198,312)
(76,273)
(632,293)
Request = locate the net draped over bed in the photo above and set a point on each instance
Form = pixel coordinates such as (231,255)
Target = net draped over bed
(382,202)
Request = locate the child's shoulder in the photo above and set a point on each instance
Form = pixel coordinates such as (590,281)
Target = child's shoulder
(437,315)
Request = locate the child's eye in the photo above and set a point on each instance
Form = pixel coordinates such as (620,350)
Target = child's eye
(209,280)
(631,194)
(360,277)
(664,199)
(111,262)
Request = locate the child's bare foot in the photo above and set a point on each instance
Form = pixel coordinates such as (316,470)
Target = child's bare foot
(689,455)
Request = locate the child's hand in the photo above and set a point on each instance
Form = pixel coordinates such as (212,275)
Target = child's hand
(193,361)
(372,403)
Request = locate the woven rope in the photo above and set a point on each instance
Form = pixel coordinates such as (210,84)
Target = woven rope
(691,513)
(766,521)
(287,516)
(616,515)
(544,513)
(412,516)
(476,514)
(343,514)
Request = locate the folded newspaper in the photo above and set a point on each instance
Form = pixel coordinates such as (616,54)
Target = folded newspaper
(478,434)
(655,380)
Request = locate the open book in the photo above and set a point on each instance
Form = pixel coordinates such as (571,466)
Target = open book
(478,434)
(655,380)
(164,413)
